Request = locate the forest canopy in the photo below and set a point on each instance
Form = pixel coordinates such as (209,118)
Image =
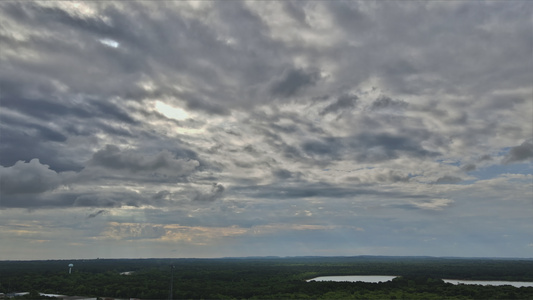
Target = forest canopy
(267,278)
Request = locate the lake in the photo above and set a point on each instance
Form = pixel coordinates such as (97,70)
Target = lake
(355,278)
(489,282)
(384,278)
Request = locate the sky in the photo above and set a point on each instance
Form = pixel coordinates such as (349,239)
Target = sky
(265,128)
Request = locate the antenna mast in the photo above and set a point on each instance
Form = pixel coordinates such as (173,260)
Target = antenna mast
(172,267)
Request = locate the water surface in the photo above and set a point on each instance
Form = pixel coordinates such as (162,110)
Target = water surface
(490,282)
(384,278)
(355,278)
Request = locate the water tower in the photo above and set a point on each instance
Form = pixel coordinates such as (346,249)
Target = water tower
(70,268)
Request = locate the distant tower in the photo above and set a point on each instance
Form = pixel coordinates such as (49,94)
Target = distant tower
(70,268)
(172,267)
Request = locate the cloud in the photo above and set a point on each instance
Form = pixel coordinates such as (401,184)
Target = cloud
(433,204)
(216,192)
(343,102)
(306,190)
(304,114)
(282,174)
(327,148)
(28,178)
(24,141)
(294,80)
(133,231)
(385,102)
(366,147)
(380,147)
(114,199)
(112,157)
(95,214)
(519,153)
(392,176)
(447,179)
(201,235)
(485,157)
(468,167)
(210,107)
(162,194)
(78,196)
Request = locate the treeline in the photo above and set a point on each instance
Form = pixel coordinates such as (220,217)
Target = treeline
(272,278)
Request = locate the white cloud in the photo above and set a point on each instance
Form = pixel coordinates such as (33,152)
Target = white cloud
(109,42)
(170,111)
(433,204)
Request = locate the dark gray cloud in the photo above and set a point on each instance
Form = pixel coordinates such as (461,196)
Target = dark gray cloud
(393,176)
(349,16)
(314,190)
(112,199)
(216,192)
(295,10)
(485,157)
(366,147)
(448,180)
(522,152)
(282,174)
(384,102)
(294,80)
(79,47)
(52,108)
(381,147)
(327,147)
(468,167)
(112,157)
(20,145)
(37,201)
(126,66)
(33,129)
(28,178)
(342,103)
(162,195)
(210,107)
(95,214)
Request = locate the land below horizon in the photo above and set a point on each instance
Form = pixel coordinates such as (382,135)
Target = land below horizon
(267,277)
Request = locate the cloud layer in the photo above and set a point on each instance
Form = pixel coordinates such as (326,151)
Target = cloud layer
(266,128)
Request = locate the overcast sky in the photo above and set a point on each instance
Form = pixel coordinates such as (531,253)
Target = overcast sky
(228,128)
